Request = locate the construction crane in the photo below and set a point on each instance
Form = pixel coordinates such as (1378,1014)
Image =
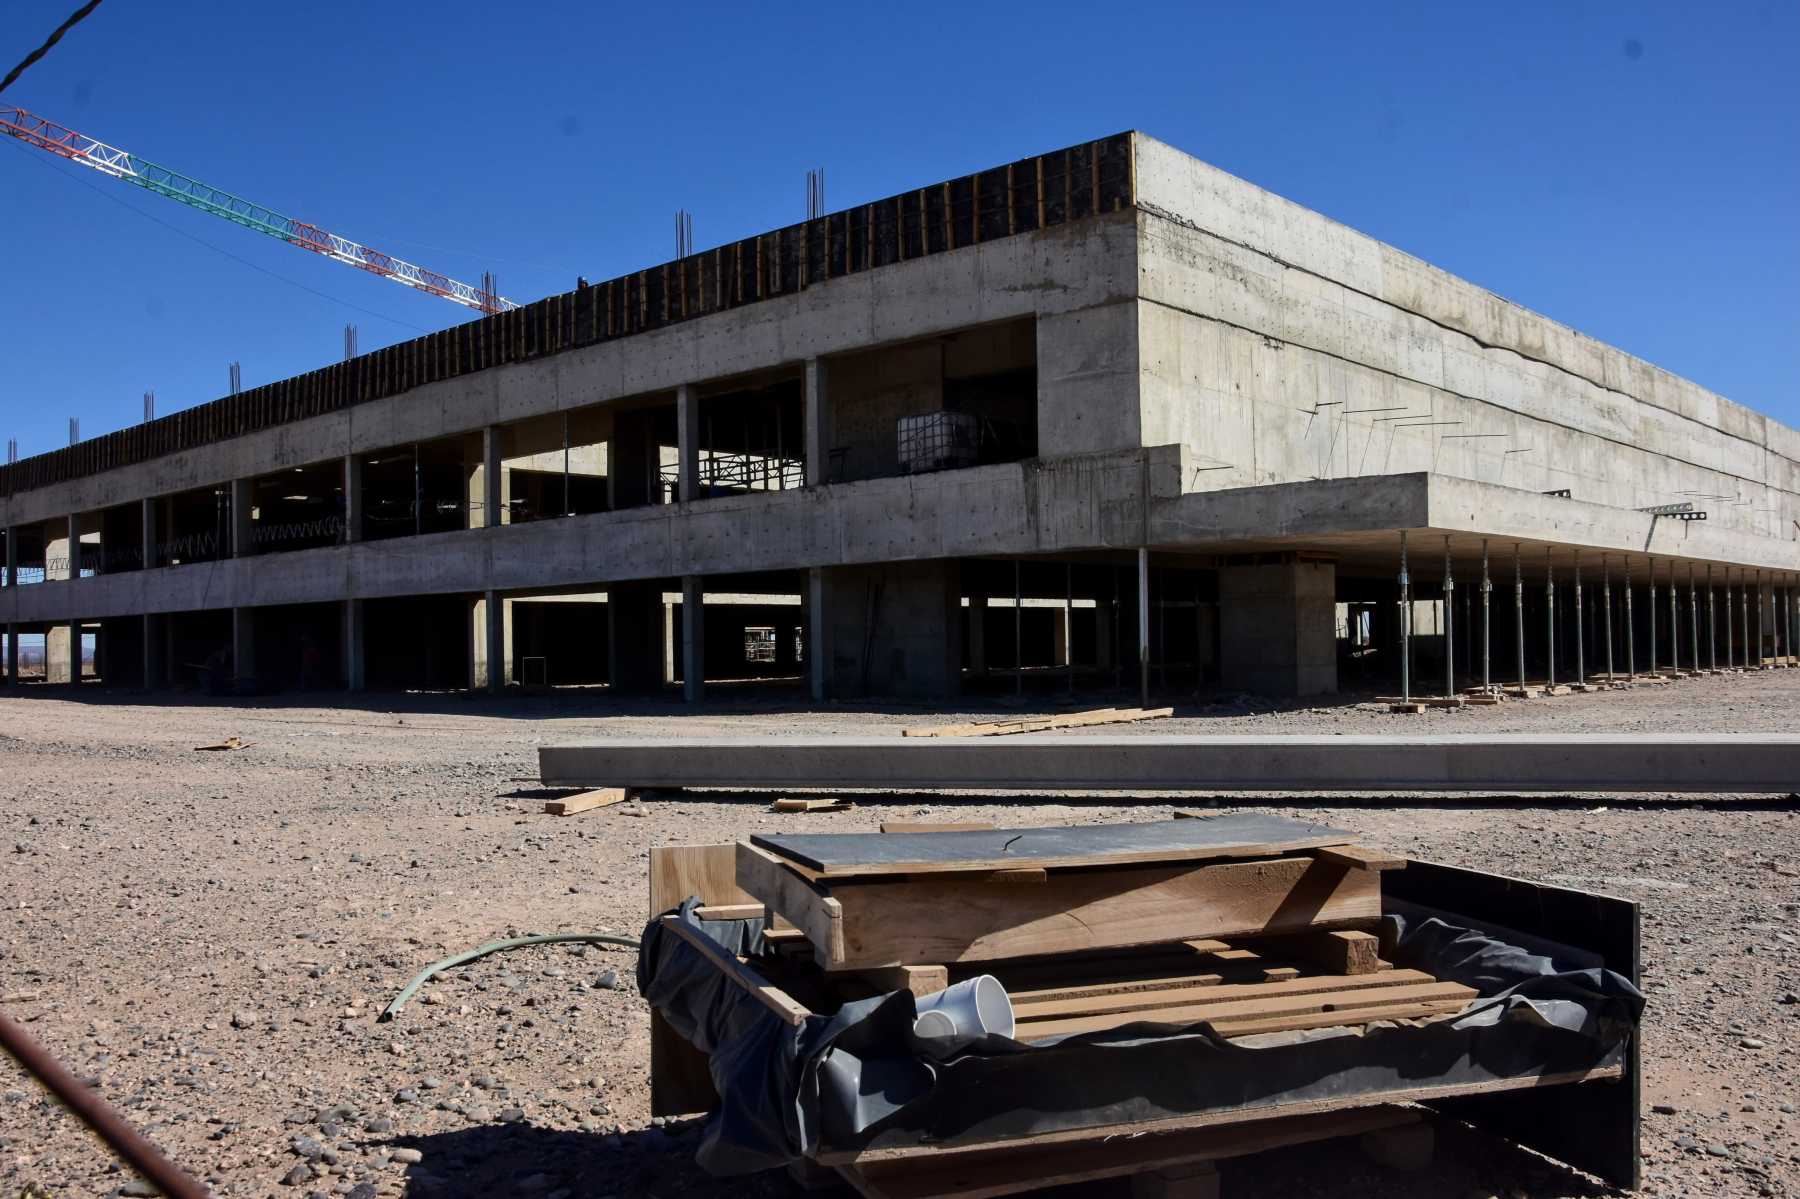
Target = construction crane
(110,160)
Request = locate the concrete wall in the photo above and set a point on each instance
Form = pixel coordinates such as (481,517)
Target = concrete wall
(1276,345)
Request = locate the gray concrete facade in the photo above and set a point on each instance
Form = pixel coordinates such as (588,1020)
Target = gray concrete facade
(1254,397)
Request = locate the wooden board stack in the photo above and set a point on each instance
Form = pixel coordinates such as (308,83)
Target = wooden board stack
(1253,924)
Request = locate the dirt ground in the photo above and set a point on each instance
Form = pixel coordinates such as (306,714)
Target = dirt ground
(208,937)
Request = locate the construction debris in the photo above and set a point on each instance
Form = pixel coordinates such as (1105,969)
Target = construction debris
(228,744)
(1039,724)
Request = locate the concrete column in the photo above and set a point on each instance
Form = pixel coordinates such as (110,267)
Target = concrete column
(978,610)
(687,435)
(817,405)
(489,643)
(1278,628)
(240,518)
(351,642)
(818,635)
(353,498)
(148,520)
(155,668)
(634,631)
(693,637)
(57,547)
(12,557)
(56,654)
(493,480)
(12,655)
(75,546)
(243,642)
(1059,638)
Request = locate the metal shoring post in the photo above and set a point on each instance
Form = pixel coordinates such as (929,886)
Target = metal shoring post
(1674,622)
(1550,615)
(1730,633)
(1018,638)
(1487,587)
(1449,625)
(1405,627)
(1580,652)
(1606,606)
(1652,609)
(1519,615)
(1630,628)
(1759,618)
(1693,620)
(1743,604)
(1196,635)
(1143,626)
(1712,622)
(1069,621)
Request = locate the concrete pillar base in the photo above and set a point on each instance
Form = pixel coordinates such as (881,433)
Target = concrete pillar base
(1278,627)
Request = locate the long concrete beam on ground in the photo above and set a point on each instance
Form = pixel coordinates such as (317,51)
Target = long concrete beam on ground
(1647,763)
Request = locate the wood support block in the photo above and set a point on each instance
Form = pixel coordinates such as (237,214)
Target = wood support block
(1199,1180)
(920,980)
(600,797)
(1361,857)
(1336,951)
(1409,1147)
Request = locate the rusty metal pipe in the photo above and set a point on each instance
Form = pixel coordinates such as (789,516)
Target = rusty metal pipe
(98,1115)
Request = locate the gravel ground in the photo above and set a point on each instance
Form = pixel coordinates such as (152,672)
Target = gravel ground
(208,937)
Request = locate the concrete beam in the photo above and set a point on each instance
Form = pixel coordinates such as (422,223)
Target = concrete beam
(1501,765)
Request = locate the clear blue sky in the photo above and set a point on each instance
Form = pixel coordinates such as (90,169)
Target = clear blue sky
(1630,169)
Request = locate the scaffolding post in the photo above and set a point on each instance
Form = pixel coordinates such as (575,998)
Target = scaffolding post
(1143,630)
(1651,606)
(1674,622)
(1630,627)
(1693,619)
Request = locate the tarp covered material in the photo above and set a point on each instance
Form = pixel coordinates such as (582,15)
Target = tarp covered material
(861,1079)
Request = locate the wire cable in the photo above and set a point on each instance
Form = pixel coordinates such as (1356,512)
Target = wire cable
(54,38)
(382,316)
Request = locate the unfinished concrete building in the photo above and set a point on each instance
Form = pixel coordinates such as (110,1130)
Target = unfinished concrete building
(1102,418)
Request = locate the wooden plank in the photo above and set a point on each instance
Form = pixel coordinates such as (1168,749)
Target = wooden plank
(1039,724)
(852,855)
(731,911)
(800,902)
(812,805)
(1029,1167)
(1338,951)
(948,918)
(933,1154)
(770,996)
(1360,857)
(919,826)
(680,1081)
(1028,1008)
(709,871)
(602,797)
(1263,1014)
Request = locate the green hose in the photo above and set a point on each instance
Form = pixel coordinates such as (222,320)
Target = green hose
(436,968)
